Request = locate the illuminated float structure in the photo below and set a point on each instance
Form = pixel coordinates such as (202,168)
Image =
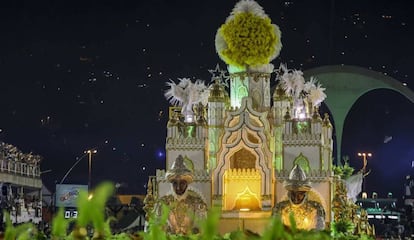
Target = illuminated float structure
(243,145)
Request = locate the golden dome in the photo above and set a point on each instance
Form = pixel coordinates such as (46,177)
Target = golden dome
(179,169)
(218,93)
(297,180)
(174,119)
(326,121)
(279,93)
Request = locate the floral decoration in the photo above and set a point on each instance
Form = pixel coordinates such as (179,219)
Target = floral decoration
(248,38)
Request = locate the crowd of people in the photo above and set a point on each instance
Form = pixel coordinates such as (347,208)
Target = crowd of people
(12,153)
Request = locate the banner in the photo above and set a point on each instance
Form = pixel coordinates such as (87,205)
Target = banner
(67,194)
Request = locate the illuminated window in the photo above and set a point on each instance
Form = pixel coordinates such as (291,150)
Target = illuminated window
(303,162)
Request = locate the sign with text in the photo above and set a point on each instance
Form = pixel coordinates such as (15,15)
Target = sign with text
(66,194)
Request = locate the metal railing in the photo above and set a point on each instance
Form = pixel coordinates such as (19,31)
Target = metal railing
(19,168)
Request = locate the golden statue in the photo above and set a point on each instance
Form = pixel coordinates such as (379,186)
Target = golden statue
(362,226)
(308,214)
(343,210)
(186,206)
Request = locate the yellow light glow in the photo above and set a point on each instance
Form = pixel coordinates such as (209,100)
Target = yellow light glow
(242,189)
(246,200)
(189,118)
(364,195)
(306,223)
(363,154)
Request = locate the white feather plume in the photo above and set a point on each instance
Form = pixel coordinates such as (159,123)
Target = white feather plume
(203,92)
(298,82)
(310,84)
(317,95)
(186,93)
(294,84)
(286,80)
(175,94)
(292,81)
(287,84)
(220,43)
(247,6)
(278,47)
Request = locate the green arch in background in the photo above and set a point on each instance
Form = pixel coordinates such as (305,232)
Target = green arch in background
(345,84)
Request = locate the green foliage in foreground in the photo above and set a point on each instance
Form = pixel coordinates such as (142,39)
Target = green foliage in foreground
(91,213)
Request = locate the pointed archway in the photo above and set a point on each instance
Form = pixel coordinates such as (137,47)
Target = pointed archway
(345,84)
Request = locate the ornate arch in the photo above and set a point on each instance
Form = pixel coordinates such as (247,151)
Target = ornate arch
(244,129)
(345,84)
(303,162)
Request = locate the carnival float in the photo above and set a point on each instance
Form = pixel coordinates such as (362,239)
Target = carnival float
(248,155)
(253,139)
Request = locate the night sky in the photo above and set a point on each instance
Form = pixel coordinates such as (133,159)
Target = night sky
(91,74)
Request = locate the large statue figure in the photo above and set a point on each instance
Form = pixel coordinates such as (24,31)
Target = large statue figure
(186,206)
(308,214)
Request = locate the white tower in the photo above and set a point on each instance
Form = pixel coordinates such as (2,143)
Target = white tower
(217,102)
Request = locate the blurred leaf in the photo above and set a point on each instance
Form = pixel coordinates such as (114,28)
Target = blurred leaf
(20,232)
(209,227)
(92,207)
(59,225)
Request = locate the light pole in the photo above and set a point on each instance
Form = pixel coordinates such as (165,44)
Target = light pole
(90,152)
(364,156)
